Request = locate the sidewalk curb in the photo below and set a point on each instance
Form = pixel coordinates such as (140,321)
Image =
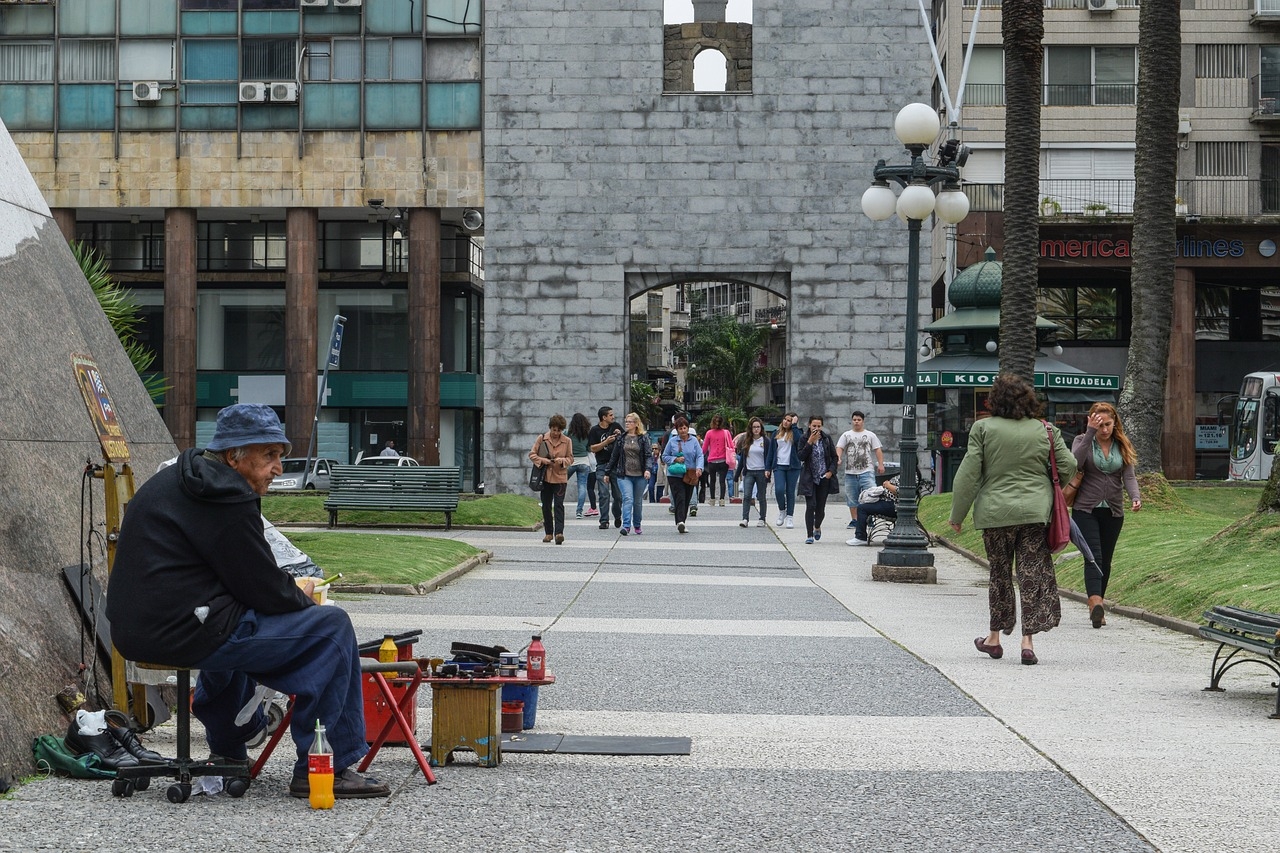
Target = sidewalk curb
(418,588)
(1158,619)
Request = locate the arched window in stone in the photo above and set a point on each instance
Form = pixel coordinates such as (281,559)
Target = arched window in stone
(710,70)
(697,43)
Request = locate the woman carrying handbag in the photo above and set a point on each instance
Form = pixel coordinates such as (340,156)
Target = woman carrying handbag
(552,452)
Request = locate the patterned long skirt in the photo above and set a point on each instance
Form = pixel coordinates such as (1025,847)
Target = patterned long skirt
(1025,545)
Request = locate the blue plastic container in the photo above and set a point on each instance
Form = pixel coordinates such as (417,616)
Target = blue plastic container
(525,694)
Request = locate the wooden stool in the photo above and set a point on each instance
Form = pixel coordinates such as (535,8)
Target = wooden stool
(182,769)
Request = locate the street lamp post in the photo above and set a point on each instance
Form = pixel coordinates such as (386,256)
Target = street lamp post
(906,556)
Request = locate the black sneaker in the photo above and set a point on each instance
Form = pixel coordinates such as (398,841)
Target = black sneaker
(604,525)
(347,785)
(617,522)
(693,511)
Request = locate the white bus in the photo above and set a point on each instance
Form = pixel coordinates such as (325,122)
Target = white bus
(1255,429)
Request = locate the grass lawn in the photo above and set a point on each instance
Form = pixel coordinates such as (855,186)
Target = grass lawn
(366,558)
(484,511)
(1187,550)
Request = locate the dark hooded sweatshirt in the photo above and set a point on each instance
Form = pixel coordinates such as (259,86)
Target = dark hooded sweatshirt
(191,538)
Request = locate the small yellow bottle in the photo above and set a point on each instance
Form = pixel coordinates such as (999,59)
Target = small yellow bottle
(388,653)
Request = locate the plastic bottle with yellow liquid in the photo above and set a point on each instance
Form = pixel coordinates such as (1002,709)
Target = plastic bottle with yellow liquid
(320,770)
(388,653)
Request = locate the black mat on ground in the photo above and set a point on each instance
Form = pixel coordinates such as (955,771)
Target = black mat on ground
(595,744)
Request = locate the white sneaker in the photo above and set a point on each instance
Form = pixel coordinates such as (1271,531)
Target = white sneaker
(855,541)
(742,523)
(789,523)
(760,523)
(680,526)
(782,516)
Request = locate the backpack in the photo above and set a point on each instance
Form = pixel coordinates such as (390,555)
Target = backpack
(52,756)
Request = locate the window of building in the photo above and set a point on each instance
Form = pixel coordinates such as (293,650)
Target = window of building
(393,16)
(454,17)
(223,246)
(1270,177)
(1077,76)
(86,18)
(1226,313)
(148,18)
(269,59)
(453,59)
(376,334)
(459,331)
(454,106)
(125,246)
(336,59)
(150,59)
(356,245)
(393,59)
(710,71)
(26,62)
(1077,178)
(27,21)
(720,299)
(984,87)
(240,330)
(1083,313)
(83,60)
(1220,61)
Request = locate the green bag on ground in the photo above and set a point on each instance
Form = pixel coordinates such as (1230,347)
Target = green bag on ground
(52,756)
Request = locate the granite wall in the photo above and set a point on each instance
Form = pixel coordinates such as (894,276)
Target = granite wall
(598,185)
(47,508)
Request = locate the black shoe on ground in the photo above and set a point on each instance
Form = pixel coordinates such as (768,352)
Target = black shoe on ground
(604,525)
(112,755)
(347,785)
(119,729)
(617,522)
(693,511)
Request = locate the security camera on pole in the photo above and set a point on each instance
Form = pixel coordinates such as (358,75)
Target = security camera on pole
(906,556)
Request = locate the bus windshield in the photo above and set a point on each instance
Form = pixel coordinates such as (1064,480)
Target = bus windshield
(1244,434)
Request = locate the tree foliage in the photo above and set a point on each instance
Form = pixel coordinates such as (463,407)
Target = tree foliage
(1155,228)
(123,315)
(1022,30)
(644,402)
(725,357)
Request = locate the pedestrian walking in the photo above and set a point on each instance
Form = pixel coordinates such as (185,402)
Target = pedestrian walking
(817,477)
(861,458)
(683,453)
(1106,461)
(717,447)
(553,452)
(629,466)
(1004,478)
(786,467)
(579,431)
(755,452)
(602,437)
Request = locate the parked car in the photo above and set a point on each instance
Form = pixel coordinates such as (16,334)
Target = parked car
(293,468)
(386,461)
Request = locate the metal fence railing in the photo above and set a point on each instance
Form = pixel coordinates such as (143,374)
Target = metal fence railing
(1233,197)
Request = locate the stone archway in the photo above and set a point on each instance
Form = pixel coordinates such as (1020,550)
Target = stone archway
(683,42)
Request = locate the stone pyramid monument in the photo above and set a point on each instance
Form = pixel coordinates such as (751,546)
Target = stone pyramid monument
(46,440)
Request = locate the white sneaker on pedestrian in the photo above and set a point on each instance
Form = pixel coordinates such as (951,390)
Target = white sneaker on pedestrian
(680,526)
(855,541)
(742,523)
(789,523)
(782,516)
(759,523)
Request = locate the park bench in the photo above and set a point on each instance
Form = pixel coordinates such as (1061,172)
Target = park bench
(1251,633)
(413,488)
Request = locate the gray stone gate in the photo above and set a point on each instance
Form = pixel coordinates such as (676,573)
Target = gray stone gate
(598,186)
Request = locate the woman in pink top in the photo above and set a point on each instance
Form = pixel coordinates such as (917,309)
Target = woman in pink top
(717,446)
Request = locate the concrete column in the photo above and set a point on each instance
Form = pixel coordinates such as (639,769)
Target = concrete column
(180,325)
(424,335)
(709,10)
(1179,446)
(65,219)
(301,289)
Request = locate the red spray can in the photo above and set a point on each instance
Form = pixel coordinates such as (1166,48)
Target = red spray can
(537,659)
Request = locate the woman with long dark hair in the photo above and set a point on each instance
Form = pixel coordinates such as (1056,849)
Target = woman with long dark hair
(755,464)
(717,445)
(818,457)
(1106,458)
(1004,477)
(579,426)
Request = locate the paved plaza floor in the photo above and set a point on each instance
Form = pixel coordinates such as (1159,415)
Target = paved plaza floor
(826,712)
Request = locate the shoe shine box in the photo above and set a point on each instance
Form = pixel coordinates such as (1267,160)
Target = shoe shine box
(377,713)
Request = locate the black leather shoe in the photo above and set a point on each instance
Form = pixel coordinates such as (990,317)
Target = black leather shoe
(347,785)
(119,729)
(112,755)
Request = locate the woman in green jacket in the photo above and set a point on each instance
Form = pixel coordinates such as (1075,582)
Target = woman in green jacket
(1004,477)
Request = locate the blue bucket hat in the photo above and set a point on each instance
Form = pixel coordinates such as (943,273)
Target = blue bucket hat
(248,423)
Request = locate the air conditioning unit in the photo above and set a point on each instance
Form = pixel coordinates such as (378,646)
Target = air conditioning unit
(284,92)
(146,91)
(306,3)
(1103,5)
(348,2)
(253,92)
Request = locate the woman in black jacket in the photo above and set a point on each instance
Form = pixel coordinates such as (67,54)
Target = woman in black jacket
(629,468)
(817,477)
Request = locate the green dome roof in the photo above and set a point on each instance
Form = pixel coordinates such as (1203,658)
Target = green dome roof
(978,285)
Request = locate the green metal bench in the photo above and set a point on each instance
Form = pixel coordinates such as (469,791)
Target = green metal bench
(413,488)
(1252,632)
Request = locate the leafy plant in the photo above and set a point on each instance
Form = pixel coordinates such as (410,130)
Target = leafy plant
(644,402)
(123,315)
(725,356)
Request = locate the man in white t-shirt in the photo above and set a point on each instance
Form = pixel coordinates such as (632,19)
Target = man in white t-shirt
(854,453)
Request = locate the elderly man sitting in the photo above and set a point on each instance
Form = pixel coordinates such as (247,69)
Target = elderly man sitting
(195,585)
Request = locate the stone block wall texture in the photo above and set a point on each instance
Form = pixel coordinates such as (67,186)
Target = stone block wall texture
(46,439)
(598,185)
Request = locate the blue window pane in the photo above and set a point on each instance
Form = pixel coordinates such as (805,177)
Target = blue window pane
(87,107)
(393,106)
(270,23)
(148,18)
(86,18)
(454,17)
(208,118)
(269,117)
(453,105)
(27,107)
(27,21)
(331,106)
(209,93)
(393,16)
(209,59)
(321,22)
(208,23)
(135,116)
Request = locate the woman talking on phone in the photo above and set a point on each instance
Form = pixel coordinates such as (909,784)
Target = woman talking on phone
(818,457)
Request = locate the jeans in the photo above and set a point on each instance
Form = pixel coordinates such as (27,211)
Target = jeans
(729,483)
(1101,530)
(553,507)
(591,487)
(680,492)
(582,471)
(753,483)
(886,508)
(632,500)
(815,505)
(855,485)
(716,473)
(607,491)
(309,654)
(785,481)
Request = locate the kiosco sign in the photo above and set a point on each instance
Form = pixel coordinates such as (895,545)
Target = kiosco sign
(949,379)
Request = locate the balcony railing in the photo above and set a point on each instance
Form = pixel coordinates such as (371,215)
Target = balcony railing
(1225,197)
(1058,95)
(1072,4)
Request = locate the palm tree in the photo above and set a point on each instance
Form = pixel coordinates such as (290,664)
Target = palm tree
(1142,402)
(725,356)
(122,313)
(1022,30)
